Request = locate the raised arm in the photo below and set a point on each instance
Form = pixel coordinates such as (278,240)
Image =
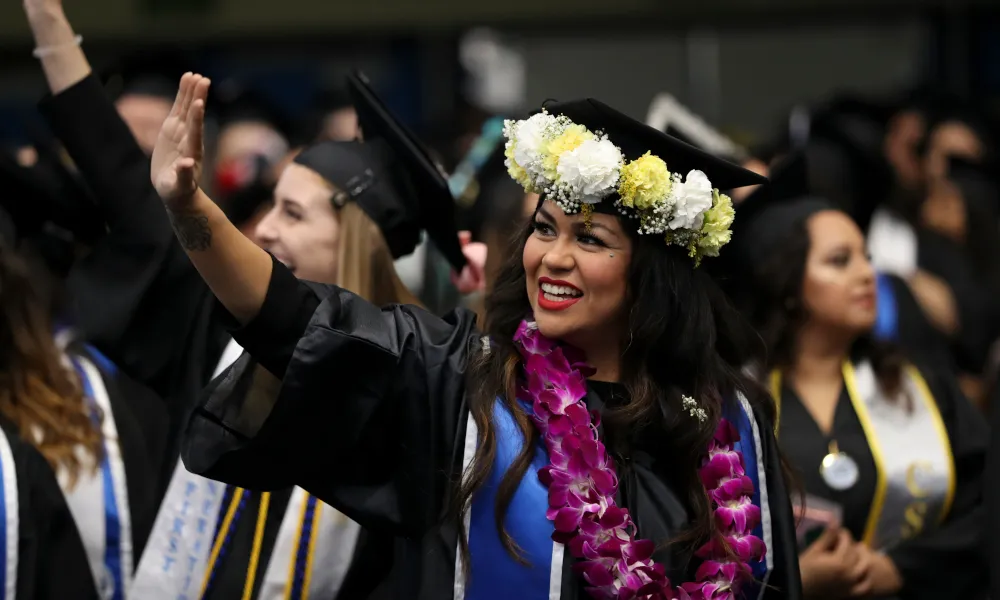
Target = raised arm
(56,44)
(234,268)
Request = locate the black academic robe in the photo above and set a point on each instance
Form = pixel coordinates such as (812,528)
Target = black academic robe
(991,501)
(140,301)
(52,564)
(977,308)
(371,418)
(140,419)
(946,562)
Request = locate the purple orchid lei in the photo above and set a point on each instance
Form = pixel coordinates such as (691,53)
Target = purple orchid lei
(582,481)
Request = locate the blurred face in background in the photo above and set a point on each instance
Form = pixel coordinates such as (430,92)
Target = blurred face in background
(838,285)
(302,230)
(144,115)
(950,139)
(340,125)
(902,139)
(243,139)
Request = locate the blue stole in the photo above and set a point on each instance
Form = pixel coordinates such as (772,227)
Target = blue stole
(495,575)
(112,520)
(8,483)
(735,414)
(887,311)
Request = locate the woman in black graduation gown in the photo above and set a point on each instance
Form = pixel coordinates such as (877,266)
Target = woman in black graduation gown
(380,412)
(139,298)
(891,457)
(41,549)
(115,502)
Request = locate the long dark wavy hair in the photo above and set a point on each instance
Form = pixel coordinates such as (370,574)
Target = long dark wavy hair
(773,303)
(683,337)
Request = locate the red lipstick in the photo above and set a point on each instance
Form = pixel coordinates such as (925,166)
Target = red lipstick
(564,296)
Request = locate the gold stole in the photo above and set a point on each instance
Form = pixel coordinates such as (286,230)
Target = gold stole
(911,450)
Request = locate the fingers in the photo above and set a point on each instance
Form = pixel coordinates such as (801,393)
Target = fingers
(196,120)
(828,539)
(464,237)
(181,92)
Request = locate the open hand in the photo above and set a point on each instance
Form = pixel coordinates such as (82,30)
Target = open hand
(175,168)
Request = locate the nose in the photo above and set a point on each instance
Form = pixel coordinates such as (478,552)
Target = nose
(267,229)
(866,270)
(559,255)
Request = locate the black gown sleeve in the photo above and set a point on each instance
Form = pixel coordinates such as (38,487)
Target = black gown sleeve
(949,562)
(118,290)
(366,414)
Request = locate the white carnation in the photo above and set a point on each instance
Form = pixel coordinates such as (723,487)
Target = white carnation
(591,170)
(693,198)
(530,139)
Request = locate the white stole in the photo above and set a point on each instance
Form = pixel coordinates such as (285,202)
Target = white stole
(912,453)
(87,500)
(9,507)
(174,565)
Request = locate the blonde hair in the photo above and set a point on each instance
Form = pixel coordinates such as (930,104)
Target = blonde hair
(364,263)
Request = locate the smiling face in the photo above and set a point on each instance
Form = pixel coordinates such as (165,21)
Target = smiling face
(576,279)
(838,287)
(302,230)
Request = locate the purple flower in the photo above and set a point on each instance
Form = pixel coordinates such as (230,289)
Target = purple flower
(738,516)
(582,482)
(530,340)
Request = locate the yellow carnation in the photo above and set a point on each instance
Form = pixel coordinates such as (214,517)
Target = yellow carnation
(570,139)
(715,230)
(515,170)
(644,182)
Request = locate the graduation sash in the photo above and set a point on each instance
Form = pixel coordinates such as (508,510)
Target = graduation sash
(9,524)
(915,482)
(107,540)
(497,576)
(193,525)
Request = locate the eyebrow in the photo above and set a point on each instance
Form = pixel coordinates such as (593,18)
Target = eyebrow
(578,225)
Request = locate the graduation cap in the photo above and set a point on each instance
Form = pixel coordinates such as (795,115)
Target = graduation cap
(432,200)
(763,221)
(846,164)
(236,101)
(24,207)
(635,138)
(979,184)
(147,73)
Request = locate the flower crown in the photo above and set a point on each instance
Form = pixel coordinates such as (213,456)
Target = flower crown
(577,168)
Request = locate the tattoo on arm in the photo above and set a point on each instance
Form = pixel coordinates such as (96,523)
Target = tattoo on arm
(192,230)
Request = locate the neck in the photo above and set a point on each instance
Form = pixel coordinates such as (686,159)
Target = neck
(820,353)
(606,360)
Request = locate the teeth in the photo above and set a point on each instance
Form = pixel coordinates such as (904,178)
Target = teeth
(553,298)
(560,290)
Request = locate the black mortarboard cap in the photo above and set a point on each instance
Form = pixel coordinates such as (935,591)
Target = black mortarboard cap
(433,199)
(363,173)
(235,101)
(151,72)
(23,215)
(764,219)
(979,184)
(636,138)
